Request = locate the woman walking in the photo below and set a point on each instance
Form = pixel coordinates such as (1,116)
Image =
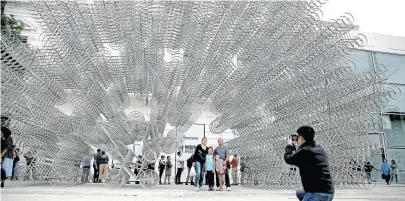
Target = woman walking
(385,171)
(199,161)
(7,153)
(394,170)
(168,171)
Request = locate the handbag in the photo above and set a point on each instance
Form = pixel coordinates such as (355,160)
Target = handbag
(192,172)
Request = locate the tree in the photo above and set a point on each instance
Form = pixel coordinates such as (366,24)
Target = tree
(9,24)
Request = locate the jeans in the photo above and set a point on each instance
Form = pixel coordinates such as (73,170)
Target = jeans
(7,166)
(199,172)
(85,174)
(302,196)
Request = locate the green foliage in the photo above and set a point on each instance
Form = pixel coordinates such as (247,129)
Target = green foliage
(9,23)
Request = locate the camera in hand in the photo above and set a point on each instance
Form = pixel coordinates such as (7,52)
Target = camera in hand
(294,137)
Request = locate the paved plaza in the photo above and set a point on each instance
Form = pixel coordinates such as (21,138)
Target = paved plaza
(176,193)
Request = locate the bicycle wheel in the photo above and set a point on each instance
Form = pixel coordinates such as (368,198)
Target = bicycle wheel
(149,179)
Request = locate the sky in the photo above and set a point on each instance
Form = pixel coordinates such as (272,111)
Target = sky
(376,16)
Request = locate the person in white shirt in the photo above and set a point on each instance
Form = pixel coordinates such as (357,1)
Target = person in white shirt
(180,167)
(86,163)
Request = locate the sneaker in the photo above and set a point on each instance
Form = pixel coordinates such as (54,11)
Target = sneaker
(228,188)
(196,188)
(186,183)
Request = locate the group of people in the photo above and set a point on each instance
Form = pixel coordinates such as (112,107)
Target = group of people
(213,165)
(10,158)
(389,171)
(100,166)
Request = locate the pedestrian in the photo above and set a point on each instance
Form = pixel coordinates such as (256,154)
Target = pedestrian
(162,165)
(394,168)
(30,163)
(180,167)
(234,164)
(86,163)
(168,171)
(385,171)
(367,169)
(313,163)
(7,153)
(138,167)
(103,171)
(190,167)
(223,153)
(199,160)
(220,168)
(96,166)
(243,170)
(209,167)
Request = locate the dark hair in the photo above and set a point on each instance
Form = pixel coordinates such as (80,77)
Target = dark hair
(203,138)
(178,153)
(235,155)
(162,156)
(168,156)
(6,132)
(210,148)
(307,132)
(392,161)
(103,152)
(98,150)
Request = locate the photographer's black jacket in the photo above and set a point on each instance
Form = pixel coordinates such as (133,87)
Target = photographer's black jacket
(313,163)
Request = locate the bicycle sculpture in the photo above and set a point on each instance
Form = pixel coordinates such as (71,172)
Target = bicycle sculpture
(268,67)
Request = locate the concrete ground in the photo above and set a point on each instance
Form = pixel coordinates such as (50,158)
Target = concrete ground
(133,192)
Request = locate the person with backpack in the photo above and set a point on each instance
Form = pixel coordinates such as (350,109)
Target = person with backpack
(190,167)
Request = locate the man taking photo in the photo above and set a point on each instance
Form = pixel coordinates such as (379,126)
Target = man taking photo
(312,161)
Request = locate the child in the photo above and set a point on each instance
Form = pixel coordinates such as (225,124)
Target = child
(209,166)
(220,168)
(168,171)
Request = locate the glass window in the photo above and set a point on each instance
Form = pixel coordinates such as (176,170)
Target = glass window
(394,130)
(395,65)
(397,104)
(362,61)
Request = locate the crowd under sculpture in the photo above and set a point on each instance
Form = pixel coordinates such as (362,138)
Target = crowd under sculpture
(268,67)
